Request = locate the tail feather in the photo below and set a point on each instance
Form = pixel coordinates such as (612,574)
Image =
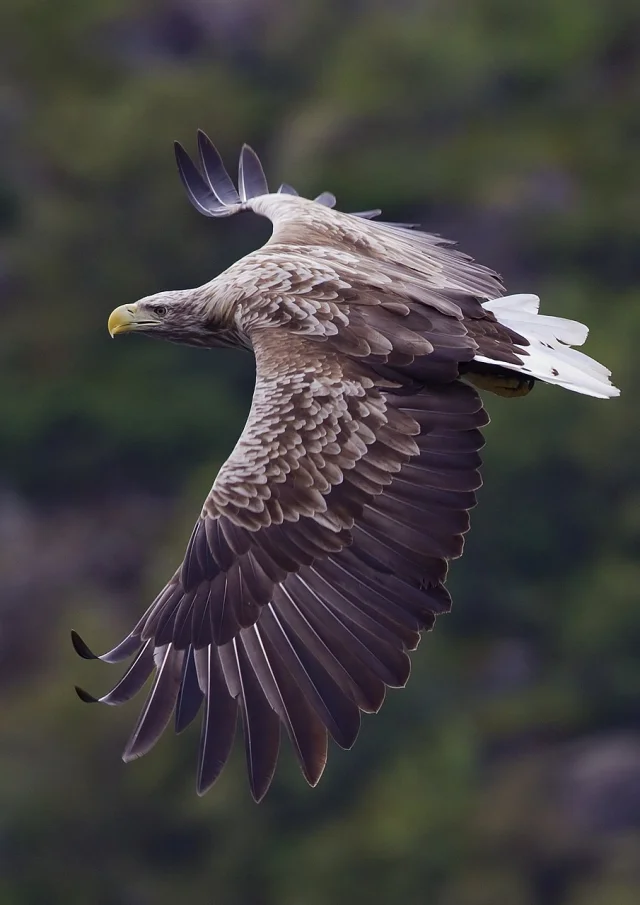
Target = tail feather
(548,356)
(514,305)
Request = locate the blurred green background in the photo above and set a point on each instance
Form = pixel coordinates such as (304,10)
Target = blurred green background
(508,772)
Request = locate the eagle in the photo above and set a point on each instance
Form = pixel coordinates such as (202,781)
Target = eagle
(321,552)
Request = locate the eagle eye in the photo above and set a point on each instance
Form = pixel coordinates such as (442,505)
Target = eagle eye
(160,310)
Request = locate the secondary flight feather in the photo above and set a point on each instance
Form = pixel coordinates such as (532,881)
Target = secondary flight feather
(321,552)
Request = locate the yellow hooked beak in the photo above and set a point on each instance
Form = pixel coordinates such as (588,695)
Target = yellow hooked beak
(122,320)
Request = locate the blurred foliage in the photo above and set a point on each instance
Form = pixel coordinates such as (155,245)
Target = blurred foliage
(508,771)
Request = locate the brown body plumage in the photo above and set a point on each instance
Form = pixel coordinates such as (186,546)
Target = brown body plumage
(321,551)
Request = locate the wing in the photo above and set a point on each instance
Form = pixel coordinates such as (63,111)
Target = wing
(394,248)
(318,559)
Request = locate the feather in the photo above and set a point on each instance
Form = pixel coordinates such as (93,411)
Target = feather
(201,633)
(223,607)
(183,632)
(219,721)
(198,563)
(251,179)
(199,193)
(190,696)
(125,649)
(367,215)
(327,199)
(159,705)
(215,172)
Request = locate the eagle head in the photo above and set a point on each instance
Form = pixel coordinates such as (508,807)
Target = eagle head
(178,316)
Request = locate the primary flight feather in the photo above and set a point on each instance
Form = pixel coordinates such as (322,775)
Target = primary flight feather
(321,551)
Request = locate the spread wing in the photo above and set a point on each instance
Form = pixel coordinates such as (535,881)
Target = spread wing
(322,548)
(318,559)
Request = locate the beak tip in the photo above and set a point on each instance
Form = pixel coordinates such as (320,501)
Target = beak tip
(120,320)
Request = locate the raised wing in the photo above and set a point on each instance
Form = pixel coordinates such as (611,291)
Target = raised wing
(395,248)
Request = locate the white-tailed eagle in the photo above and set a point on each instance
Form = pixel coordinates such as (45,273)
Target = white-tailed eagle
(321,551)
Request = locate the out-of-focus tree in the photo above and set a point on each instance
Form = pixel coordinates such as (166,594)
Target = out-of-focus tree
(507,771)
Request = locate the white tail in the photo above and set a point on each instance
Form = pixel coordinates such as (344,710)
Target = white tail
(550,357)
